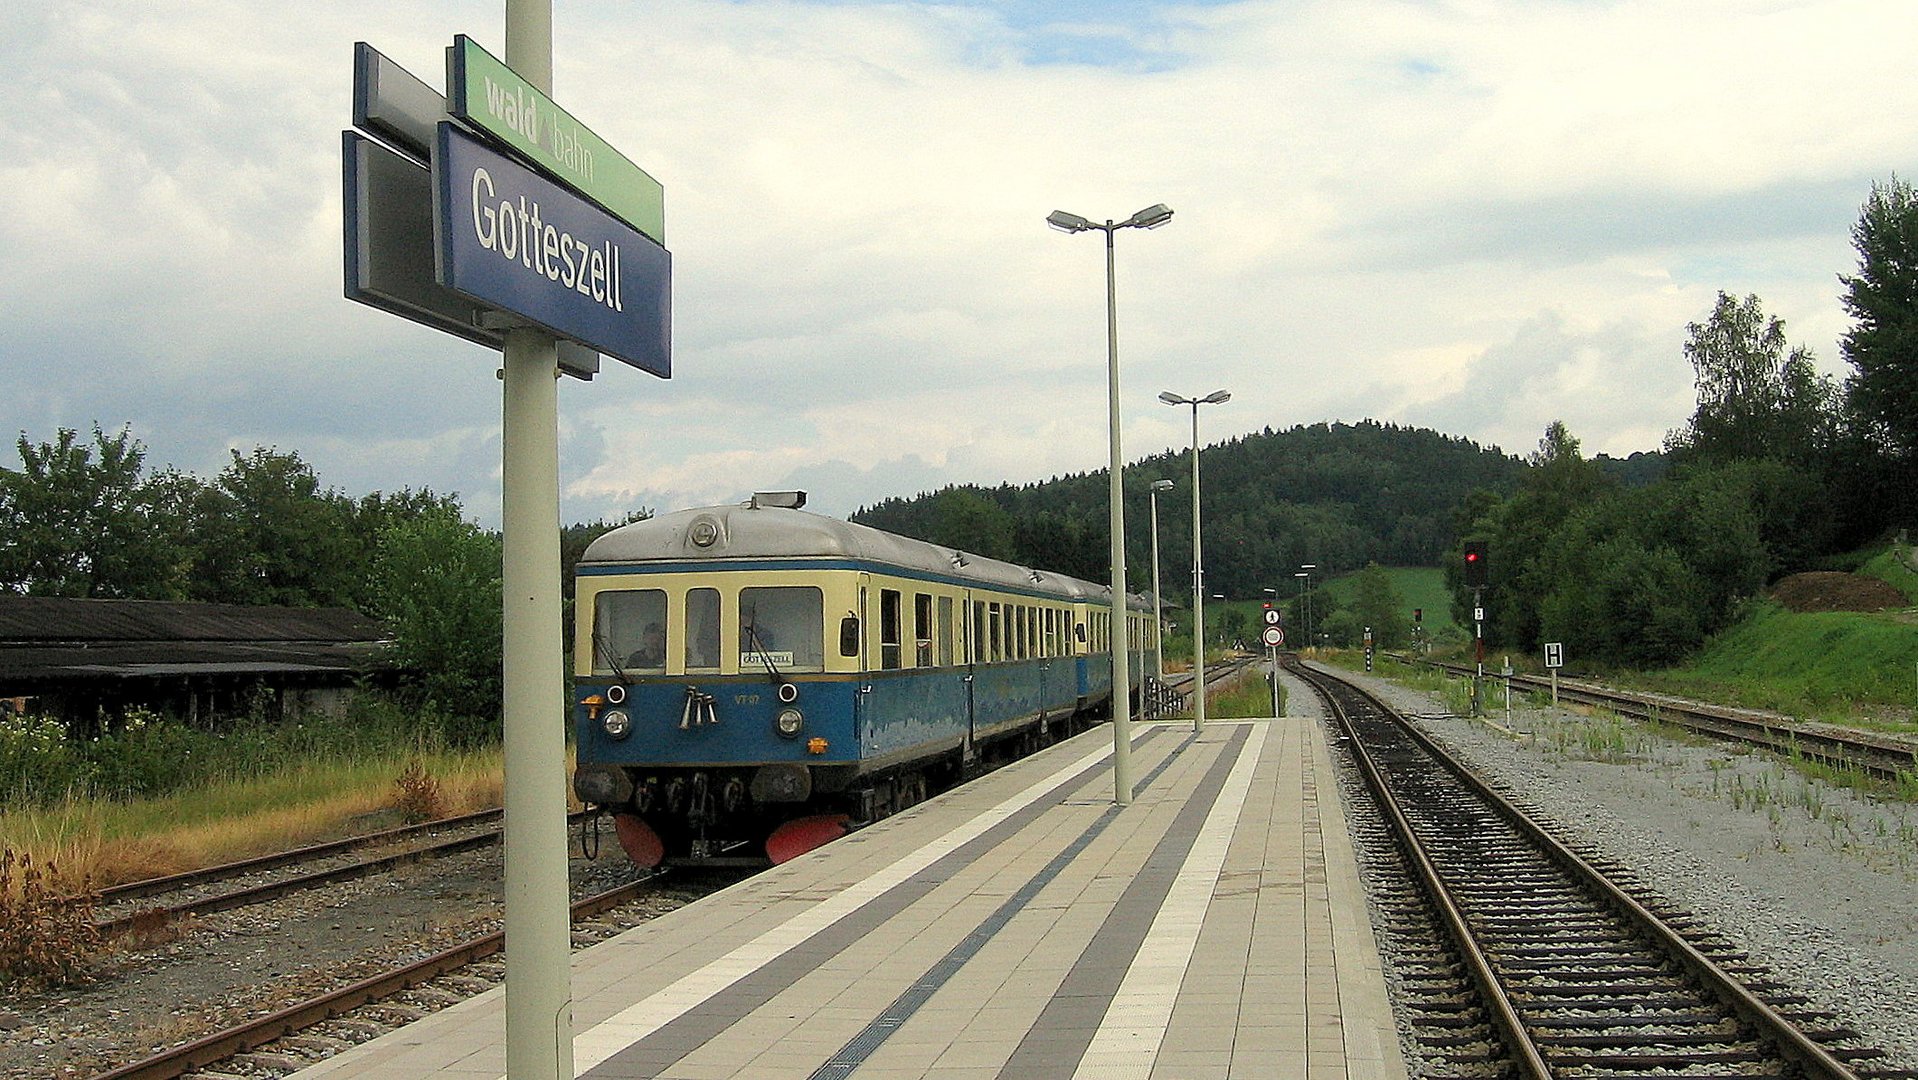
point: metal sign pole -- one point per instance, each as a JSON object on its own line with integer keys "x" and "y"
{"x": 539, "y": 1006}
{"x": 1274, "y": 651}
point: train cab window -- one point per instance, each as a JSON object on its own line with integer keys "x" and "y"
{"x": 629, "y": 631}
{"x": 945, "y": 632}
{"x": 922, "y": 629}
{"x": 782, "y": 626}
{"x": 889, "y": 629}
{"x": 702, "y": 629}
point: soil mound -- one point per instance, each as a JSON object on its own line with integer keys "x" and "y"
{"x": 1827, "y": 591}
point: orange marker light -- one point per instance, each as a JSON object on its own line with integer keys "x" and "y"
{"x": 816, "y": 746}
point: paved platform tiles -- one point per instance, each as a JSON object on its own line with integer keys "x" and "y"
{"x": 1020, "y": 927}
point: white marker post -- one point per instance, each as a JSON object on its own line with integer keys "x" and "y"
{"x": 539, "y": 997}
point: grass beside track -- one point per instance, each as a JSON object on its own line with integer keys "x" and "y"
{"x": 105, "y": 842}
{"x": 1845, "y": 667}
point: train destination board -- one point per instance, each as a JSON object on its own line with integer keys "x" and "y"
{"x": 515, "y": 240}
{"x": 482, "y": 91}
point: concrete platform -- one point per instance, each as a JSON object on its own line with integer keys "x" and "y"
{"x": 1021, "y": 927}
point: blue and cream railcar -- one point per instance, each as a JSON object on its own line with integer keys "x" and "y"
{"x": 754, "y": 678}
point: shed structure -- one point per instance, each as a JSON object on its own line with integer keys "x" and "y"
{"x": 88, "y": 661}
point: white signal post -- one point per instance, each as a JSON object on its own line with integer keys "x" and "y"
{"x": 539, "y": 997}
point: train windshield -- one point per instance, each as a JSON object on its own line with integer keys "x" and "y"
{"x": 782, "y": 626}
{"x": 629, "y": 630}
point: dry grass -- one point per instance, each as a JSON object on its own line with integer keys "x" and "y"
{"x": 108, "y": 842}
{"x": 47, "y": 936}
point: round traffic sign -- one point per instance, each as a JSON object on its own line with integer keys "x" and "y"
{"x": 1271, "y": 616}
{"x": 1274, "y": 636}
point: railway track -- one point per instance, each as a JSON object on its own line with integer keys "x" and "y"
{"x": 438, "y": 976}
{"x": 473, "y": 831}
{"x": 1539, "y": 963}
{"x": 1881, "y": 755}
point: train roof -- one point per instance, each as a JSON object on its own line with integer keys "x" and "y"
{"x": 750, "y": 530}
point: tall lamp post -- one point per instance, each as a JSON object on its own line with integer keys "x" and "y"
{"x": 1158, "y": 611}
{"x": 1150, "y": 218}
{"x": 1216, "y": 397}
{"x": 1305, "y": 577}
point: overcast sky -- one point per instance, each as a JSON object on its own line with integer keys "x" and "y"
{"x": 1478, "y": 216}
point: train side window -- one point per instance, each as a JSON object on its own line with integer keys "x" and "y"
{"x": 783, "y": 626}
{"x": 994, "y": 634}
{"x": 922, "y": 629}
{"x": 1018, "y": 649}
{"x": 977, "y": 645}
{"x": 629, "y": 631}
{"x": 889, "y": 629}
{"x": 945, "y": 632}
{"x": 702, "y": 629}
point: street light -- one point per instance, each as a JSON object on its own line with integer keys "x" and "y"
{"x": 1305, "y": 572}
{"x": 1150, "y": 218}
{"x": 1158, "y": 616}
{"x": 1216, "y": 397}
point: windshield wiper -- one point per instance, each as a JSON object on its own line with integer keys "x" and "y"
{"x": 765, "y": 657}
{"x": 606, "y": 652}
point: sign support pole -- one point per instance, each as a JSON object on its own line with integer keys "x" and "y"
{"x": 539, "y": 1007}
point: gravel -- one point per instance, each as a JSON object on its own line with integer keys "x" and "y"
{"x": 231, "y": 966}
{"x": 1813, "y": 880}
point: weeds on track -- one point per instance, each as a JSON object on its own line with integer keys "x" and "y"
{"x": 47, "y": 936}
{"x": 419, "y": 797}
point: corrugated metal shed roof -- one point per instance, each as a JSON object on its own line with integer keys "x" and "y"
{"x": 44, "y": 619}
{"x": 50, "y": 640}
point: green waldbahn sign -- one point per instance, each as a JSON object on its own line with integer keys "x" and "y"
{"x": 484, "y": 92}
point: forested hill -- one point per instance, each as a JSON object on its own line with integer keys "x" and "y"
{"x": 1335, "y": 495}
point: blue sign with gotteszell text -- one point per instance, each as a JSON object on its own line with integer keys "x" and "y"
{"x": 513, "y": 240}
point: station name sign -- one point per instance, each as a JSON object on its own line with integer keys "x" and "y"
{"x": 484, "y": 92}
{"x": 495, "y": 209}
{"x": 514, "y": 240}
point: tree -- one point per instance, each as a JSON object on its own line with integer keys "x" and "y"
{"x": 80, "y": 520}
{"x": 1755, "y": 400}
{"x": 1378, "y": 605}
{"x": 268, "y": 533}
{"x": 436, "y": 583}
{"x": 967, "y": 520}
{"x": 1882, "y": 345}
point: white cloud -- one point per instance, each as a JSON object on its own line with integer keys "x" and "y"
{"x": 1479, "y": 214}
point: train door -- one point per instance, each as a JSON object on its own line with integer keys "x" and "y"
{"x": 859, "y": 698}
{"x": 971, "y": 614}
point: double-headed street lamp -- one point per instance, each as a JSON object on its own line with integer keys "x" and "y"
{"x": 1216, "y": 397}
{"x": 1158, "y": 611}
{"x": 1150, "y": 218}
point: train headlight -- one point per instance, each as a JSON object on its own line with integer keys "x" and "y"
{"x": 616, "y": 724}
{"x": 788, "y": 723}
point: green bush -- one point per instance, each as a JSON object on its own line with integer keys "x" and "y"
{"x": 149, "y": 755}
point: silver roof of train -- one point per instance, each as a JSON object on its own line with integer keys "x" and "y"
{"x": 748, "y": 531}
